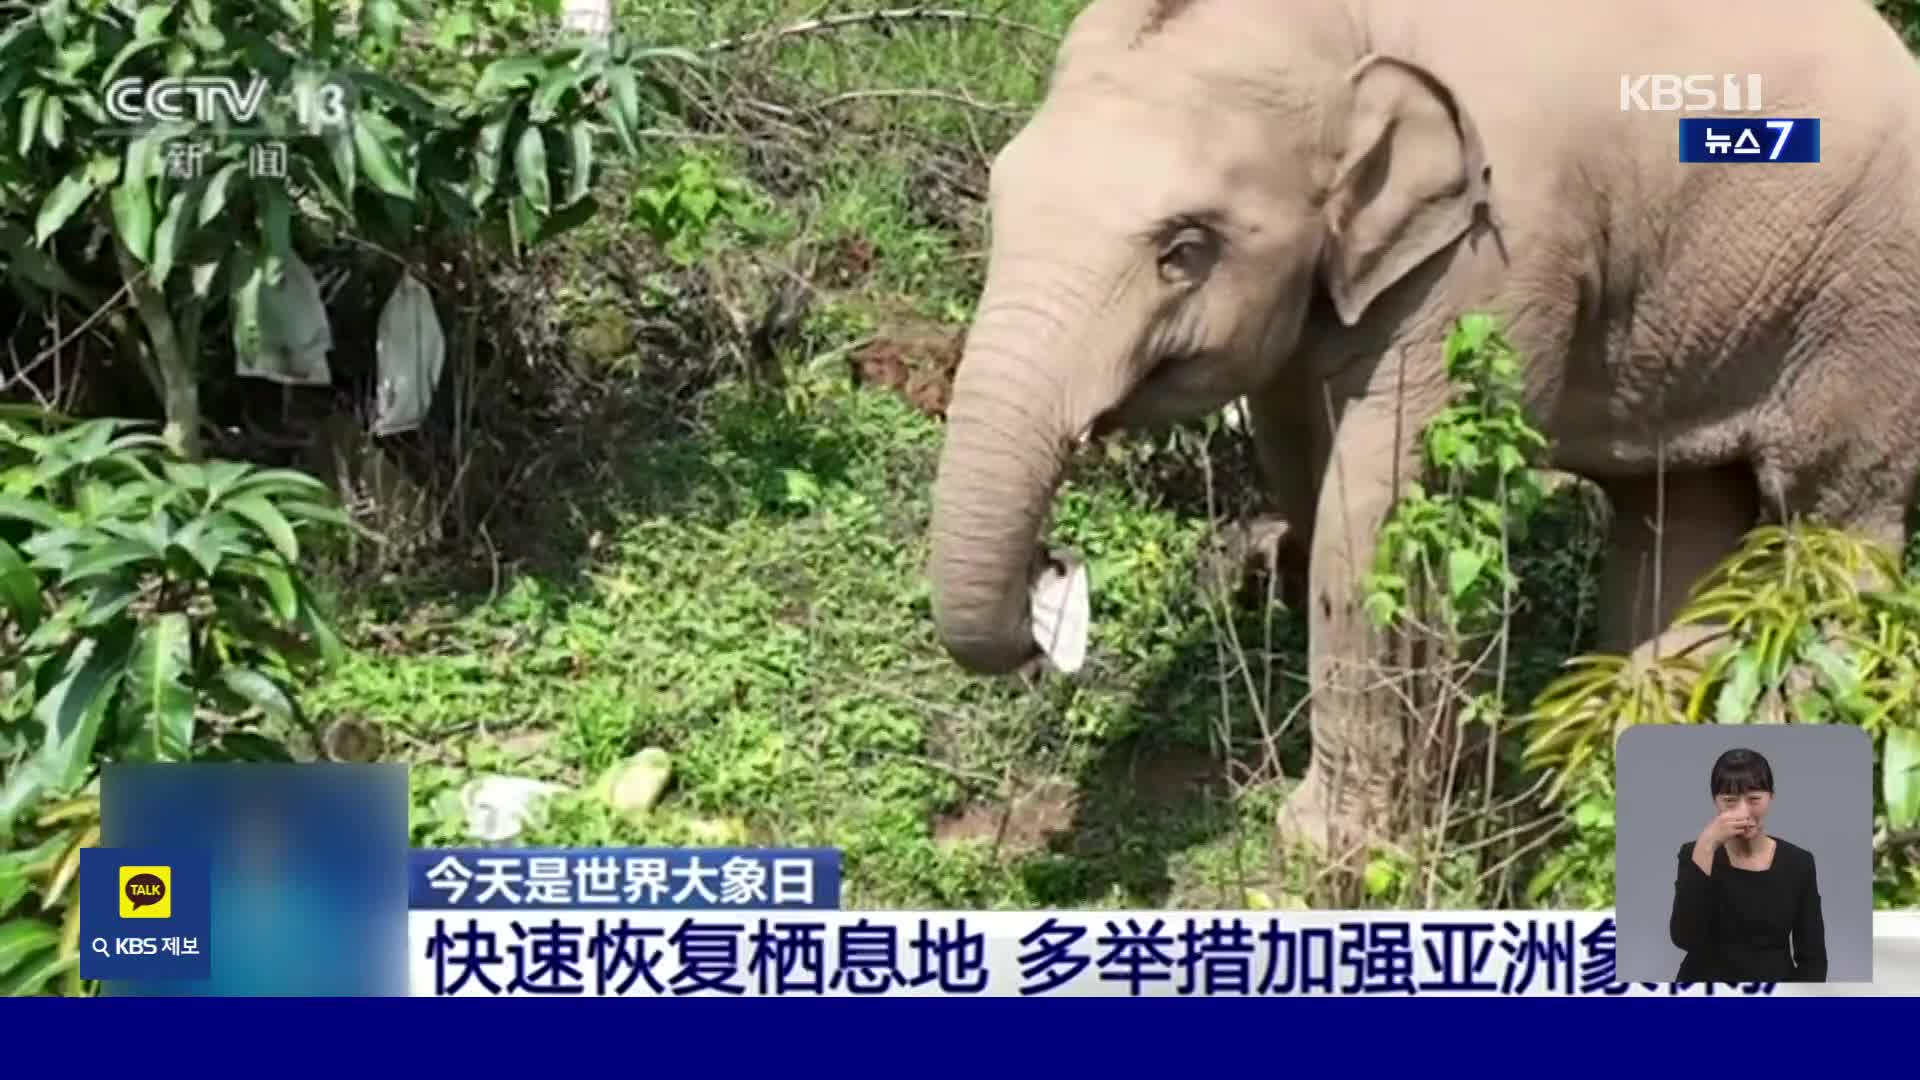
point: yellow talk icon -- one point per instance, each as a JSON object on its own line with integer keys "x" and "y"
{"x": 146, "y": 892}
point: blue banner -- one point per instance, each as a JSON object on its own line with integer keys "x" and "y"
{"x": 1777, "y": 140}
{"x": 623, "y": 879}
{"x": 302, "y": 874}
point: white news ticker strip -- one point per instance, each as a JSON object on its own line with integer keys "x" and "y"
{"x": 1896, "y": 947}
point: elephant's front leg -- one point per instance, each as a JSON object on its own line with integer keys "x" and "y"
{"x": 1358, "y": 718}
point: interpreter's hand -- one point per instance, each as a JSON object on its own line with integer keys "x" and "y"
{"x": 1727, "y": 825}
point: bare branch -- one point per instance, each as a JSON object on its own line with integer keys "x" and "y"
{"x": 828, "y": 23}
{"x": 53, "y": 350}
{"x": 933, "y": 95}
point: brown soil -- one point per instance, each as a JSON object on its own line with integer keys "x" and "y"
{"x": 915, "y": 360}
{"x": 1052, "y": 808}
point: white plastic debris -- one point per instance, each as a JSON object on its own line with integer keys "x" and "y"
{"x": 1235, "y": 414}
{"x": 593, "y": 18}
{"x": 295, "y": 336}
{"x": 410, "y": 350}
{"x": 1060, "y": 614}
{"x": 497, "y": 807}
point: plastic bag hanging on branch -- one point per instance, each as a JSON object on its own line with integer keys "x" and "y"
{"x": 411, "y": 350}
{"x": 295, "y": 336}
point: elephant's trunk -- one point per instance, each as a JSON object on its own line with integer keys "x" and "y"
{"x": 1011, "y": 426}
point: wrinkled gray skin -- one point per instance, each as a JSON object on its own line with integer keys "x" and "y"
{"x": 1292, "y": 200}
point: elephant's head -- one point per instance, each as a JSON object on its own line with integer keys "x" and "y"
{"x": 1159, "y": 229}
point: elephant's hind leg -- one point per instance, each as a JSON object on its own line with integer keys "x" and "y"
{"x": 1666, "y": 535}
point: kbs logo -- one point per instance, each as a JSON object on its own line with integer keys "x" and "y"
{"x": 1690, "y": 93}
{"x": 146, "y": 892}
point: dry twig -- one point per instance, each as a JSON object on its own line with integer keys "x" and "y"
{"x": 885, "y": 17}
{"x": 934, "y": 95}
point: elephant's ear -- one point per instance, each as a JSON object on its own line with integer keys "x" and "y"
{"x": 1411, "y": 176}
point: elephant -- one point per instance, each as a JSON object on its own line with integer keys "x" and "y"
{"x": 1293, "y": 201}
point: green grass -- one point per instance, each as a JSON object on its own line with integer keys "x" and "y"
{"x": 759, "y": 610}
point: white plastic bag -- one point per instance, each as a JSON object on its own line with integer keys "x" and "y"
{"x": 593, "y": 18}
{"x": 295, "y": 336}
{"x": 410, "y": 350}
{"x": 1059, "y": 608}
{"x": 497, "y": 807}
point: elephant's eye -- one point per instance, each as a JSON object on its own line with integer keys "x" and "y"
{"x": 1188, "y": 256}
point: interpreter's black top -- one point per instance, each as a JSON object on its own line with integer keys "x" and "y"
{"x": 1749, "y": 925}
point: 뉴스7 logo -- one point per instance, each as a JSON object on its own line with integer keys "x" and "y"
{"x": 206, "y": 98}
{"x": 1690, "y": 93}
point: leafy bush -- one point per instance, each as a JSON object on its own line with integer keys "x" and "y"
{"x": 508, "y": 155}
{"x": 153, "y": 612}
{"x": 1444, "y": 553}
{"x": 1444, "y": 583}
{"x": 1804, "y": 624}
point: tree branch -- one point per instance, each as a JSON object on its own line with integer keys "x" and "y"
{"x": 889, "y": 16}
{"x": 933, "y": 95}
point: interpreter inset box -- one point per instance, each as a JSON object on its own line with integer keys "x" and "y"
{"x": 1744, "y": 853}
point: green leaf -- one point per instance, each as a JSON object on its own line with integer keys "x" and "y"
{"x": 18, "y": 868}
{"x": 270, "y": 521}
{"x": 259, "y": 690}
{"x": 629, "y": 141}
{"x": 503, "y": 75}
{"x": 571, "y": 216}
{"x": 523, "y": 222}
{"x": 30, "y": 105}
{"x": 27, "y": 262}
{"x": 1739, "y": 693}
{"x": 72, "y": 711}
{"x": 489, "y": 150}
{"x": 1381, "y": 877}
{"x": 170, "y": 236}
{"x": 340, "y": 149}
{"x": 375, "y": 85}
{"x": 21, "y": 938}
{"x": 199, "y": 545}
{"x": 106, "y": 559}
{"x": 53, "y": 122}
{"x": 1900, "y": 777}
{"x": 31, "y": 978}
{"x": 279, "y": 583}
{"x": 214, "y": 199}
{"x": 19, "y": 589}
{"x": 127, "y": 52}
{"x": 326, "y": 515}
{"x": 317, "y": 627}
{"x": 150, "y": 24}
{"x": 1463, "y": 569}
{"x": 624, "y": 97}
{"x": 373, "y": 140}
{"x": 133, "y": 208}
{"x": 276, "y": 482}
{"x": 31, "y": 510}
{"x": 107, "y": 602}
{"x": 581, "y": 161}
{"x": 161, "y": 703}
{"x": 530, "y": 166}
{"x": 66, "y": 198}
{"x": 546, "y": 99}
{"x": 383, "y": 18}
{"x": 1548, "y": 876}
